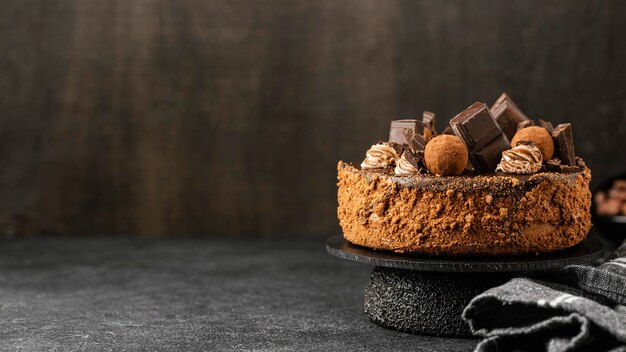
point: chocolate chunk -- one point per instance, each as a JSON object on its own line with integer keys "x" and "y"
{"x": 417, "y": 143}
{"x": 408, "y": 132}
{"x": 507, "y": 115}
{"x": 525, "y": 124}
{"x": 415, "y": 158}
{"x": 488, "y": 156}
{"x": 448, "y": 130}
{"x": 482, "y": 135}
{"x": 553, "y": 164}
{"x": 547, "y": 125}
{"x": 399, "y": 148}
{"x": 428, "y": 119}
{"x": 564, "y": 143}
{"x": 476, "y": 126}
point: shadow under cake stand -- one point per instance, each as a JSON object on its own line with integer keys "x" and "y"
{"x": 427, "y": 294}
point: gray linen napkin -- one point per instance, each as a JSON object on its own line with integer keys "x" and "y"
{"x": 576, "y": 308}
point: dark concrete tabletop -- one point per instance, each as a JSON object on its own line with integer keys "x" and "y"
{"x": 117, "y": 294}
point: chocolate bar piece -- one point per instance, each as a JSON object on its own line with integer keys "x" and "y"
{"x": 417, "y": 143}
{"x": 525, "y": 124}
{"x": 564, "y": 143}
{"x": 547, "y": 125}
{"x": 553, "y": 164}
{"x": 408, "y": 132}
{"x": 399, "y": 148}
{"x": 415, "y": 158}
{"x": 448, "y": 130}
{"x": 482, "y": 135}
{"x": 507, "y": 115}
{"x": 428, "y": 119}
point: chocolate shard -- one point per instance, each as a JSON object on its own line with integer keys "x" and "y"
{"x": 547, "y": 125}
{"x": 417, "y": 143}
{"x": 407, "y": 132}
{"x": 415, "y": 158}
{"x": 525, "y": 124}
{"x": 507, "y": 115}
{"x": 553, "y": 164}
{"x": 448, "y": 130}
{"x": 482, "y": 135}
{"x": 564, "y": 143}
{"x": 428, "y": 119}
{"x": 399, "y": 148}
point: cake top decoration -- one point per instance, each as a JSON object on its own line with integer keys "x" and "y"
{"x": 562, "y": 135}
{"x": 507, "y": 115}
{"x": 477, "y": 140}
{"x": 446, "y": 155}
{"x": 404, "y": 167}
{"x": 379, "y": 156}
{"x": 428, "y": 119}
{"x": 525, "y": 158}
{"x": 408, "y": 132}
{"x": 539, "y": 136}
{"x": 482, "y": 135}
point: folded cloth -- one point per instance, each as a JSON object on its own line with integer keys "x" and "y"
{"x": 576, "y": 308}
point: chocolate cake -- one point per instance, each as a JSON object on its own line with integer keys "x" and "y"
{"x": 470, "y": 193}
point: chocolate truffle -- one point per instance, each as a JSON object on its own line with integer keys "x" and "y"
{"x": 446, "y": 155}
{"x": 540, "y": 137}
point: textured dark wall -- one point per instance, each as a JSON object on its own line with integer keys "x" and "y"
{"x": 228, "y": 117}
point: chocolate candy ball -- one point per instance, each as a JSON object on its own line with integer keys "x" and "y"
{"x": 446, "y": 155}
{"x": 540, "y": 137}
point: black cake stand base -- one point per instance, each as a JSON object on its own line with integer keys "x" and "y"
{"x": 425, "y": 302}
{"x": 427, "y": 295}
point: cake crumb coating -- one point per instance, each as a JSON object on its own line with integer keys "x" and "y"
{"x": 492, "y": 214}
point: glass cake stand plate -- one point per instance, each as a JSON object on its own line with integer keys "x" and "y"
{"x": 589, "y": 250}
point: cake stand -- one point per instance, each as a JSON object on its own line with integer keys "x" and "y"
{"x": 426, "y": 294}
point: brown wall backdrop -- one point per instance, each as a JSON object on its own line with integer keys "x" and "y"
{"x": 228, "y": 117}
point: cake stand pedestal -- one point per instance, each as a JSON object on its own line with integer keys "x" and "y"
{"x": 426, "y": 294}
